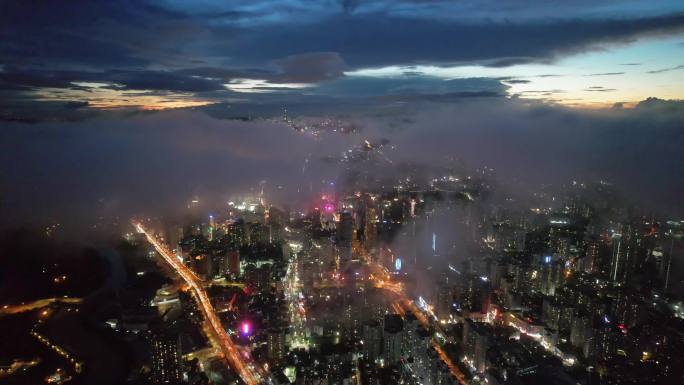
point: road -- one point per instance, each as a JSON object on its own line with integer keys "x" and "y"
{"x": 235, "y": 357}
{"x": 295, "y": 302}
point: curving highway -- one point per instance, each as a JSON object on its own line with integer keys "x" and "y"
{"x": 235, "y": 357}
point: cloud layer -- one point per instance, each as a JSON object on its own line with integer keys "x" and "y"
{"x": 192, "y": 52}
{"x": 153, "y": 163}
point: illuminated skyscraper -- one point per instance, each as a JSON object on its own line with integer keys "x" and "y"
{"x": 166, "y": 358}
{"x": 212, "y": 228}
{"x": 276, "y": 345}
{"x": 618, "y": 261}
{"x": 371, "y": 226}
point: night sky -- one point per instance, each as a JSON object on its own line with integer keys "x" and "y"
{"x": 543, "y": 91}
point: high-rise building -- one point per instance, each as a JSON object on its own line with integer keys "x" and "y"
{"x": 605, "y": 338}
{"x": 276, "y": 345}
{"x": 233, "y": 262}
{"x": 203, "y": 265}
{"x": 371, "y": 226}
{"x": 672, "y": 250}
{"x": 235, "y": 232}
{"x": 550, "y": 274}
{"x": 581, "y": 333}
{"x": 212, "y": 228}
{"x": 258, "y": 234}
{"x": 590, "y": 262}
{"x": 166, "y": 358}
{"x": 628, "y": 250}
{"x": 476, "y": 342}
{"x": 345, "y": 233}
{"x": 258, "y": 278}
{"x": 420, "y": 350}
{"x": 443, "y": 302}
{"x": 372, "y": 340}
{"x": 393, "y": 339}
{"x": 219, "y": 261}
{"x": 411, "y": 326}
{"x": 618, "y": 259}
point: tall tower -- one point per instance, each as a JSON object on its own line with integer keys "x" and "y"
{"x": 673, "y": 247}
{"x": 345, "y": 233}
{"x": 617, "y": 260}
{"x": 212, "y": 227}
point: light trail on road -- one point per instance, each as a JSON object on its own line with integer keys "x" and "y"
{"x": 230, "y": 351}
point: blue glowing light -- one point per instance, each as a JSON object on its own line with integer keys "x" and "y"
{"x": 434, "y": 242}
{"x": 397, "y": 264}
{"x": 422, "y": 303}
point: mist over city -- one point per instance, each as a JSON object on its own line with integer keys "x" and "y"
{"x": 342, "y": 192}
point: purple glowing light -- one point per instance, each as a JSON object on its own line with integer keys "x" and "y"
{"x": 246, "y": 328}
{"x": 329, "y": 207}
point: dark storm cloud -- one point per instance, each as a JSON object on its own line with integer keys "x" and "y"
{"x": 306, "y": 68}
{"x": 512, "y": 61}
{"x": 350, "y": 5}
{"x": 76, "y": 104}
{"x": 521, "y": 9}
{"x": 15, "y": 79}
{"x": 373, "y": 40}
{"x": 271, "y": 11}
{"x": 414, "y": 85}
{"x": 195, "y": 48}
{"x": 161, "y": 80}
{"x": 227, "y": 74}
{"x": 82, "y": 33}
{"x": 134, "y": 34}
{"x": 310, "y": 67}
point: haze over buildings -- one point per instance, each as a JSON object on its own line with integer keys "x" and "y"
{"x": 342, "y": 192}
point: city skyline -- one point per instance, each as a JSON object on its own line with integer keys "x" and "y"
{"x": 342, "y": 192}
